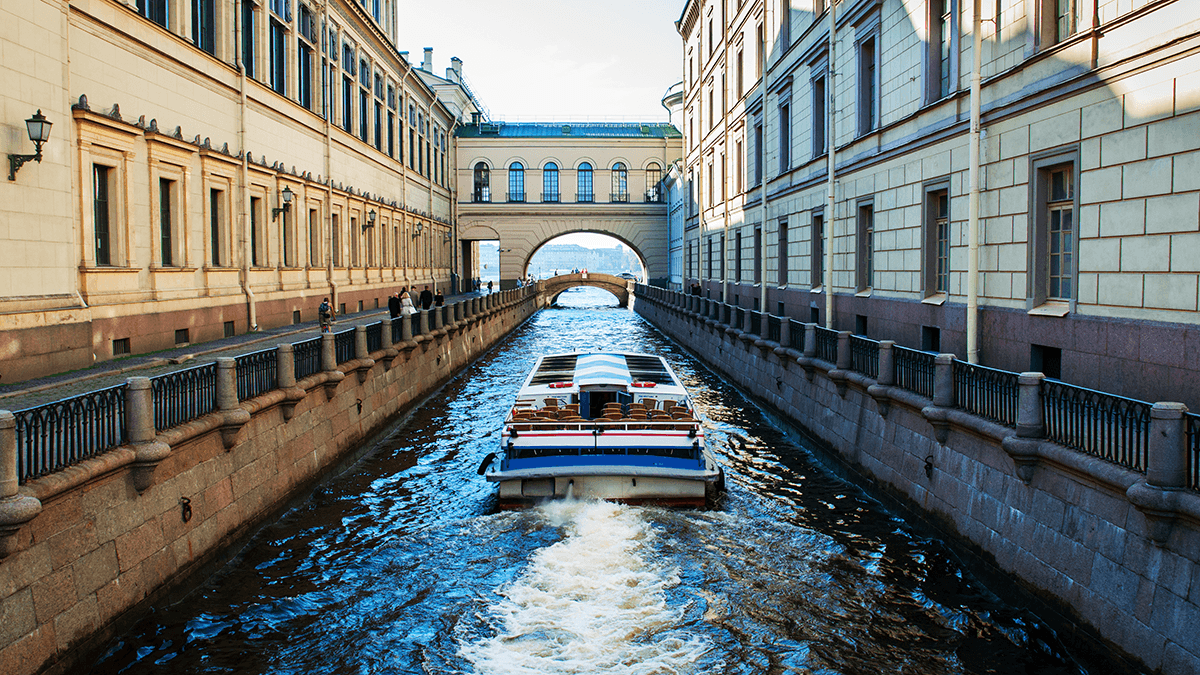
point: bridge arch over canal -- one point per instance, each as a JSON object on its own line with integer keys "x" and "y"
{"x": 554, "y": 286}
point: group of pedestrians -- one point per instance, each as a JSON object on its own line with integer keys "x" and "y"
{"x": 399, "y": 304}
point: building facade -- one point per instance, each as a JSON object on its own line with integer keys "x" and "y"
{"x": 215, "y": 166}
{"x": 1088, "y": 225}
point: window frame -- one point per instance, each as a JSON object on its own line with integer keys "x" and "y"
{"x": 781, "y": 252}
{"x": 1038, "y": 263}
{"x": 931, "y": 241}
{"x": 868, "y": 113}
{"x": 584, "y": 173}
{"x": 864, "y": 249}
{"x": 935, "y": 71}
{"x": 816, "y": 251}
{"x": 481, "y": 188}
{"x": 516, "y": 182}
{"x": 550, "y": 183}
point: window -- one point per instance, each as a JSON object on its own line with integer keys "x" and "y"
{"x": 378, "y": 125}
{"x": 758, "y": 153}
{"x": 758, "y": 255}
{"x": 102, "y": 212}
{"x": 335, "y": 235}
{"x": 1060, "y": 19}
{"x": 120, "y": 347}
{"x": 620, "y": 182}
{"x": 550, "y": 182}
{"x": 739, "y": 168}
{"x": 868, "y": 89}
{"x": 931, "y": 339}
{"x": 818, "y": 115}
{"x": 348, "y": 104}
{"x": 818, "y": 249}
{"x": 314, "y": 238}
{"x": 782, "y": 277}
{"x": 156, "y": 11}
{"x": 248, "y": 32}
{"x": 364, "y": 103}
{"x": 710, "y": 195}
{"x": 937, "y": 241}
{"x": 354, "y": 236}
{"x": 712, "y": 44}
{"x": 166, "y": 223}
{"x": 1061, "y": 231}
{"x": 584, "y": 180}
{"x": 278, "y": 66}
{"x": 653, "y": 176}
{"x": 391, "y": 134}
{"x": 739, "y": 74}
{"x": 941, "y": 66}
{"x": 204, "y": 25}
{"x": 216, "y": 221}
{"x": 785, "y": 136}
{"x": 1046, "y": 360}
{"x": 785, "y": 24}
{"x": 482, "y": 191}
{"x": 866, "y": 246}
{"x": 257, "y": 253}
{"x": 737, "y": 258}
{"x": 181, "y": 336}
{"x": 762, "y": 49}
{"x": 710, "y": 258}
{"x": 724, "y": 258}
{"x": 516, "y": 182}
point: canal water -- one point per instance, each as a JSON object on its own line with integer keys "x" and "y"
{"x": 402, "y": 564}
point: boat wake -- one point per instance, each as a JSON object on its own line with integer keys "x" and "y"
{"x": 591, "y": 603}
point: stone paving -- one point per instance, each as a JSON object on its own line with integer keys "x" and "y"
{"x": 42, "y": 390}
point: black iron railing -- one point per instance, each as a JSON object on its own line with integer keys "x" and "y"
{"x": 618, "y": 197}
{"x": 307, "y": 357}
{"x": 184, "y": 395}
{"x": 516, "y": 196}
{"x": 914, "y": 370}
{"x": 550, "y": 197}
{"x": 398, "y": 329}
{"x": 1192, "y": 429}
{"x": 864, "y": 356}
{"x": 1110, "y": 427}
{"x": 257, "y": 373}
{"x": 414, "y": 323}
{"x": 796, "y": 335}
{"x": 739, "y": 318}
{"x": 56, "y": 435}
{"x": 986, "y": 392}
{"x": 726, "y": 314}
{"x": 827, "y": 344}
{"x": 755, "y": 323}
{"x": 343, "y": 345}
{"x": 374, "y": 337}
{"x": 774, "y": 331}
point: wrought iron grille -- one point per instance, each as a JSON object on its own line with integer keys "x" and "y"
{"x": 374, "y": 337}
{"x": 1193, "y": 450}
{"x": 343, "y": 345}
{"x": 184, "y": 395}
{"x": 864, "y": 356}
{"x": 307, "y": 356}
{"x": 398, "y": 329}
{"x": 774, "y": 332}
{"x": 827, "y": 343}
{"x": 257, "y": 373}
{"x": 756, "y": 323}
{"x": 796, "y": 335}
{"x": 726, "y": 314}
{"x": 914, "y": 370}
{"x": 986, "y": 392}
{"x": 1110, "y": 427}
{"x": 57, "y": 435}
{"x": 415, "y": 323}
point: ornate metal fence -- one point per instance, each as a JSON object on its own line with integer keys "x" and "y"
{"x": 774, "y": 328}
{"x": 307, "y": 356}
{"x": 257, "y": 373}
{"x": 914, "y": 370}
{"x": 57, "y": 435}
{"x": 398, "y": 329}
{"x": 827, "y": 342}
{"x": 1110, "y": 427}
{"x": 415, "y": 323}
{"x": 726, "y": 314}
{"x": 755, "y": 323}
{"x": 1193, "y": 450}
{"x": 739, "y": 317}
{"x": 864, "y": 356}
{"x": 374, "y": 337}
{"x": 986, "y": 392}
{"x": 343, "y": 345}
{"x": 796, "y": 335}
{"x": 184, "y": 395}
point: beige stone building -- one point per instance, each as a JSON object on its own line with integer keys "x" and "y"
{"x": 1089, "y": 236}
{"x": 159, "y": 213}
{"x": 525, "y": 184}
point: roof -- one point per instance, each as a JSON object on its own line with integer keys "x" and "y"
{"x": 569, "y": 130}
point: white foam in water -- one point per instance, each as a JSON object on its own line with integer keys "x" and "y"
{"x": 592, "y": 603}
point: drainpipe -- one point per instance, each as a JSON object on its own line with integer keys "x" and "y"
{"x": 762, "y": 305}
{"x": 404, "y": 218}
{"x": 243, "y": 173}
{"x": 452, "y": 176}
{"x": 831, "y": 141}
{"x": 429, "y": 163}
{"x": 973, "y": 204}
{"x": 330, "y": 55}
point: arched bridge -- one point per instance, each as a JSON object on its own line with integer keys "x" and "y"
{"x": 554, "y": 286}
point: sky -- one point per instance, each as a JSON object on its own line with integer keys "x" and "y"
{"x": 531, "y": 60}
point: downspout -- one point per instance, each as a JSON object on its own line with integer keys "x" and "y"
{"x": 331, "y": 53}
{"x": 452, "y": 180}
{"x": 244, "y": 171}
{"x": 762, "y": 253}
{"x": 973, "y": 203}
{"x": 405, "y": 223}
{"x": 429, "y": 163}
{"x": 831, "y": 170}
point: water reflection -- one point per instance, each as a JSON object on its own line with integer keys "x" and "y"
{"x": 401, "y": 565}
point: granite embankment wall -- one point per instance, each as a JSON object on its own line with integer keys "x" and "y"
{"x": 1112, "y": 548}
{"x": 120, "y": 530}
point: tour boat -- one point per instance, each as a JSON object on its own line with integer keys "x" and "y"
{"x": 610, "y": 425}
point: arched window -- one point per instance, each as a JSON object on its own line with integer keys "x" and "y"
{"x": 550, "y": 182}
{"x": 653, "y": 176}
{"x": 620, "y": 183}
{"x": 483, "y": 192}
{"x": 585, "y": 183}
{"x": 516, "y": 182}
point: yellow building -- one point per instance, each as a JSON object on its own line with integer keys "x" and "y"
{"x": 214, "y": 167}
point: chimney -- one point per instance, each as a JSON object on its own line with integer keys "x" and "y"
{"x": 456, "y": 66}
{"x": 427, "y": 66}
{"x": 404, "y": 55}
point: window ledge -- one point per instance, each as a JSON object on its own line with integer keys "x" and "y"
{"x": 865, "y": 293}
{"x": 935, "y": 299}
{"x": 816, "y": 289}
{"x": 1052, "y": 308}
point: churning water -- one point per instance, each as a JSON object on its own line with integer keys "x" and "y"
{"x": 402, "y": 565}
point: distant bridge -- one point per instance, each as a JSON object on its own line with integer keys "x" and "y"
{"x": 554, "y": 286}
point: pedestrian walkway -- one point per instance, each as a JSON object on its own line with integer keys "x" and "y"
{"x": 42, "y": 390}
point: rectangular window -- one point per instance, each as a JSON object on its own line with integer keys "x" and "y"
{"x": 120, "y": 347}
{"x": 166, "y": 222}
{"x": 937, "y": 242}
{"x": 378, "y": 125}
{"x": 782, "y": 277}
{"x": 336, "y": 240}
{"x": 289, "y": 240}
{"x": 737, "y": 258}
{"x": 709, "y": 195}
{"x": 101, "y": 210}
{"x": 785, "y": 136}
{"x": 354, "y": 237}
{"x": 758, "y": 261}
{"x": 758, "y": 153}
{"x": 256, "y": 238}
{"x": 762, "y": 49}
{"x": 248, "y": 34}
{"x": 204, "y": 25}
{"x": 156, "y": 11}
{"x": 278, "y": 66}
{"x": 181, "y": 336}
{"x": 710, "y": 257}
{"x": 739, "y": 171}
{"x": 304, "y": 58}
{"x": 1059, "y": 20}
{"x": 391, "y": 134}
{"x": 215, "y": 219}
{"x": 722, "y": 178}
{"x": 785, "y": 24}
{"x": 942, "y": 47}
{"x": 818, "y": 249}
{"x": 868, "y": 90}
{"x": 724, "y": 257}
{"x": 1061, "y": 231}
{"x": 866, "y": 246}
{"x": 818, "y": 116}
{"x": 740, "y": 74}
{"x": 364, "y": 109}
{"x": 348, "y": 105}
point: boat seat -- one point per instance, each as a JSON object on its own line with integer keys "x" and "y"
{"x": 551, "y": 402}
{"x": 650, "y": 403}
{"x": 613, "y": 416}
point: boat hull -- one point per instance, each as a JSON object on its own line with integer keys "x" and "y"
{"x": 628, "y": 489}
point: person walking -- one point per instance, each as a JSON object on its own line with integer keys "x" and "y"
{"x": 438, "y": 299}
{"x": 394, "y": 305}
{"x": 489, "y": 285}
{"x": 426, "y": 298}
{"x": 406, "y": 304}
{"x": 325, "y": 315}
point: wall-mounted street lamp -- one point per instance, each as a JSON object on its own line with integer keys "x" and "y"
{"x": 446, "y": 238}
{"x": 38, "y": 128}
{"x": 417, "y": 229}
{"x": 370, "y": 221}
{"x": 286, "y": 198}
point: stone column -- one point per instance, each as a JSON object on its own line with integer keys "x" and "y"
{"x": 1030, "y": 418}
{"x": 9, "y": 482}
{"x": 845, "y": 359}
{"x": 139, "y": 405}
{"x": 285, "y": 365}
{"x": 227, "y": 397}
{"x": 1166, "y": 460}
{"x": 943, "y": 381}
{"x": 437, "y": 317}
{"x": 887, "y": 367}
{"x": 328, "y": 353}
{"x": 406, "y": 329}
{"x": 385, "y": 333}
{"x": 785, "y": 331}
{"x": 810, "y": 340}
{"x": 360, "y": 342}
{"x": 424, "y": 324}
{"x": 15, "y": 509}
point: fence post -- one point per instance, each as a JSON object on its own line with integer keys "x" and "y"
{"x": 845, "y": 359}
{"x": 1031, "y": 421}
{"x": 227, "y": 396}
{"x": 139, "y": 427}
{"x": 385, "y": 335}
{"x": 1166, "y": 458}
{"x": 423, "y": 325}
{"x": 15, "y": 509}
{"x": 887, "y": 367}
{"x": 810, "y": 340}
{"x": 943, "y": 381}
{"x": 360, "y": 342}
{"x": 328, "y": 353}
{"x": 785, "y": 332}
{"x": 406, "y": 328}
{"x": 437, "y": 317}
{"x": 285, "y": 374}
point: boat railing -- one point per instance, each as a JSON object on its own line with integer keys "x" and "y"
{"x": 601, "y": 426}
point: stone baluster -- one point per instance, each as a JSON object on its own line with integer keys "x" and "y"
{"x": 16, "y": 509}
{"x": 228, "y": 405}
{"x": 424, "y": 322}
{"x": 1158, "y": 495}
